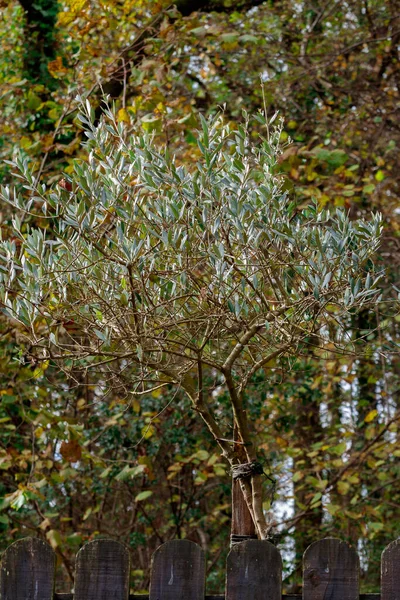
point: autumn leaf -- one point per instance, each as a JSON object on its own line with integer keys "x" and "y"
{"x": 71, "y": 451}
{"x": 56, "y": 68}
{"x": 371, "y": 416}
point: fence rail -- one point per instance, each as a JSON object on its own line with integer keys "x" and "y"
{"x": 218, "y": 597}
{"x": 178, "y": 569}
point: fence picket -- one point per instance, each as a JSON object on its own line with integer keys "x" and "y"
{"x": 27, "y": 571}
{"x": 390, "y": 569}
{"x": 178, "y": 572}
{"x": 254, "y": 572}
{"x": 102, "y": 571}
{"x": 331, "y": 570}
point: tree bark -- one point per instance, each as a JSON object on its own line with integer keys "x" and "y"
{"x": 242, "y": 521}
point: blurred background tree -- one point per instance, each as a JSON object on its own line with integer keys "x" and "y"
{"x": 332, "y": 70}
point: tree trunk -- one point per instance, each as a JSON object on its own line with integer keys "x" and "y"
{"x": 242, "y": 525}
{"x": 242, "y": 522}
{"x": 308, "y": 431}
{"x": 40, "y": 21}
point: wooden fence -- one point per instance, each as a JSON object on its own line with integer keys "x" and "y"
{"x": 254, "y": 568}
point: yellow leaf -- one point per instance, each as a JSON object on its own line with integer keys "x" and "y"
{"x": 45, "y": 524}
{"x": 123, "y": 116}
{"x": 371, "y": 416}
{"x": 343, "y": 487}
{"x": 54, "y": 538}
{"x": 25, "y": 142}
{"x": 77, "y": 5}
{"x": 37, "y": 373}
{"x": 87, "y": 514}
{"x": 281, "y": 442}
{"x": 148, "y": 431}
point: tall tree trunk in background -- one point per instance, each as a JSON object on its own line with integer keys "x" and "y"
{"x": 308, "y": 431}
{"x": 366, "y": 372}
{"x": 40, "y": 46}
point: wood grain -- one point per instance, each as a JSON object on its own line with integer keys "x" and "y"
{"x": 27, "y": 571}
{"x": 254, "y": 572}
{"x": 102, "y": 571}
{"x": 242, "y": 522}
{"x": 331, "y": 571}
{"x": 178, "y": 572}
{"x": 390, "y": 572}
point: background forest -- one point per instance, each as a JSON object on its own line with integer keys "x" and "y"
{"x": 79, "y": 459}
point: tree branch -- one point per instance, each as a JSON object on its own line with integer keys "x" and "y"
{"x": 246, "y": 337}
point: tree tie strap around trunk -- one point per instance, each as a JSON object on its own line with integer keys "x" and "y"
{"x": 246, "y": 470}
{"x": 236, "y": 538}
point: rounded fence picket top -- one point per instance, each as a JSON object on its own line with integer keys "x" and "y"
{"x": 390, "y": 568}
{"x": 331, "y": 570}
{"x": 178, "y": 572}
{"x": 102, "y": 571}
{"x": 254, "y": 568}
{"x": 254, "y": 571}
{"x": 28, "y": 571}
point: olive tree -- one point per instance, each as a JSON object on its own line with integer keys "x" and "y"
{"x": 193, "y": 275}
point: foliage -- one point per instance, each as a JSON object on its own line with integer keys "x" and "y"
{"x": 165, "y": 272}
{"x": 332, "y": 71}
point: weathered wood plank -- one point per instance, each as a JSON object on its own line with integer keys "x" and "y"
{"x": 178, "y": 572}
{"x": 27, "y": 571}
{"x": 390, "y": 571}
{"x": 331, "y": 570}
{"x": 102, "y": 571}
{"x": 254, "y": 572}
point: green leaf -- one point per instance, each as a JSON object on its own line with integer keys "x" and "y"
{"x": 368, "y": 189}
{"x": 143, "y": 496}
{"x": 333, "y": 509}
